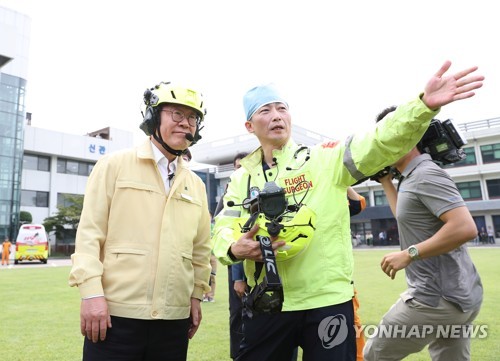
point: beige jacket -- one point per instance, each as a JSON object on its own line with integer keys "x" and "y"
{"x": 148, "y": 252}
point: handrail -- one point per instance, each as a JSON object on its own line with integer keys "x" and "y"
{"x": 479, "y": 124}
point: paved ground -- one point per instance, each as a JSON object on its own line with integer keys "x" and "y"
{"x": 52, "y": 262}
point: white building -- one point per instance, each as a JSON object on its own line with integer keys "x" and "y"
{"x": 56, "y": 164}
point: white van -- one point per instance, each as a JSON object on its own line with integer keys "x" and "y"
{"x": 32, "y": 244}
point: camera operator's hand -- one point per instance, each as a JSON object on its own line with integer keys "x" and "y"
{"x": 248, "y": 248}
{"x": 380, "y": 174}
{"x": 388, "y": 177}
{"x": 394, "y": 262}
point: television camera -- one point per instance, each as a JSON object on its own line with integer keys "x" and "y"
{"x": 443, "y": 142}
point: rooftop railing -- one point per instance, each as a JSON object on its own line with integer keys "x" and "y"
{"x": 464, "y": 127}
{"x": 480, "y": 124}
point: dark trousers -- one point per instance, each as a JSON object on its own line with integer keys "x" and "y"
{"x": 235, "y": 311}
{"x": 325, "y": 334}
{"x": 140, "y": 340}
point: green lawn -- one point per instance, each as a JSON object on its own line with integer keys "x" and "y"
{"x": 40, "y": 313}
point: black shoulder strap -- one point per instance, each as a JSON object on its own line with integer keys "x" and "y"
{"x": 272, "y": 276}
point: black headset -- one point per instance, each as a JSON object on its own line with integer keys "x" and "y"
{"x": 150, "y": 115}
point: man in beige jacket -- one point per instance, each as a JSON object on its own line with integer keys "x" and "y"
{"x": 142, "y": 253}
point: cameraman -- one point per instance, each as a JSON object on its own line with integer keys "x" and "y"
{"x": 317, "y": 286}
{"x": 443, "y": 284}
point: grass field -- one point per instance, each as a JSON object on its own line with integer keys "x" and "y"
{"x": 40, "y": 313}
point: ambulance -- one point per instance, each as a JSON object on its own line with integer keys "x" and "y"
{"x": 32, "y": 244}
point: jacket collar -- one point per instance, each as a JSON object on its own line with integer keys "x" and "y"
{"x": 254, "y": 159}
{"x": 145, "y": 150}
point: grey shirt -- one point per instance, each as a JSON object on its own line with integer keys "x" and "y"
{"x": 425, "y": 193}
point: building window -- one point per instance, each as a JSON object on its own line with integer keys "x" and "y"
{"x": 470, "y": 190}
{"x": 367, "y": 197}
{"x": 493, "y": 186}
{"x": 364, "y": 230}
{"x": 85, "y": 168}
{"x": 61, "y": 166}
{"x": 65, "y": 199}
{"x": 470, "y": 159}
{"x": 30, "y": 162}
{"x": 34, "y": 198}
{"x": 67, "y": 166}
{"x": 36, "y": 162}
{"x": 380, "y": 198}
{"x": 490, "y": 153}
{"x": 496, "y": 225}
{"x": 71, "y": 167}
{"x": 44, "y": 164}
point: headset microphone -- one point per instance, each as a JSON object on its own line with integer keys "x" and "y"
{"x": 244, "y": 204}
{"x": 189, "y": 137}
{"x": 248, "y": 203}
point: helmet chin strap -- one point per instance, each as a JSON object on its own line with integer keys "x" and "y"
{"x": 159, "y": 139}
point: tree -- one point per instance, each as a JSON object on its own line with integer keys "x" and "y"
{"x": 67, "y": 217}
{"x": 25, "y": 217}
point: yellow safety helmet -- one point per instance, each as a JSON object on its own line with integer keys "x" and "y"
{"x": 165, "y": 92}
{"x": 297, "y": 232}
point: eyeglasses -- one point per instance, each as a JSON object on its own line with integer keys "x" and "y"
{"x": 178, "y": 117}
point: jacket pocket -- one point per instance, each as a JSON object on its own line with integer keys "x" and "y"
{"x": 181, "y": 282}
{"x": 137, "y": 185}
{"x": 186, "y": 212}
{"x": 125, "y": 277}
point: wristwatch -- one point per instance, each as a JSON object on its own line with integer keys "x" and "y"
{"x": 413, "y": 252}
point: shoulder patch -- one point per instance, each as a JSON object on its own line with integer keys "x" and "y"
{"x": 330, "y": 144}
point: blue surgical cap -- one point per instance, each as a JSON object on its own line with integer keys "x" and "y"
{"x": 259, "y": 96}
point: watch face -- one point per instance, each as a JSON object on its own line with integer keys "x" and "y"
{"x": 413, "y": 251}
